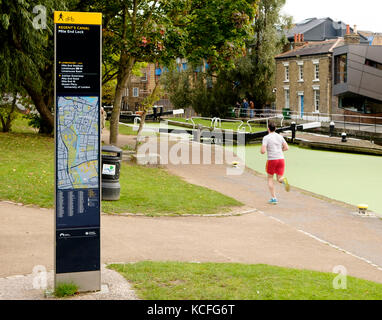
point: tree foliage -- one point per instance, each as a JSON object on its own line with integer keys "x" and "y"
{"x": 26, "y": 53}
{"x": 255, "y": 72}
{"x": 207, "y": 95}
{"x": 8, "y": 112}
{"x": 159, "y": 31}
{"x": 251, "y": 77}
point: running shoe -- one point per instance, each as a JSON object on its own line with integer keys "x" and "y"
{"x": 286, "y": 184}
{"x": 273, "y": 201}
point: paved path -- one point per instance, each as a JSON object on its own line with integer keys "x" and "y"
{"x": 302, "y": 232}
{"x": 26, "y": 238}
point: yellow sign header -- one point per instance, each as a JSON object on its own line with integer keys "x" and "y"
{"x": 67, "y": 17}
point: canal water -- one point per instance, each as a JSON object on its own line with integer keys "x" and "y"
{"x": 351, "y": 178}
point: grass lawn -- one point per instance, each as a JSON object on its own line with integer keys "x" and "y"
{"x": 20, "y": 125}
{"x": 27, "y": 168}
{"x": 126, "y": 130}
{"x": 211, "y": 281}
{"x": 27, "y": 176}
{"x": 256, "y": 127}
{"x": 154, "y": 191}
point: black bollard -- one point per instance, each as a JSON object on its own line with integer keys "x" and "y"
{"x": 344, "y": 137}
{"x": 331, "y": 129}
{"x": 294, "y": 127}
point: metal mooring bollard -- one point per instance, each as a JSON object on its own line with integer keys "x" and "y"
{"x": 197, "y": 134}
{"x": 344, "y": 137}
{"x": 362, "y": 209}
{"x": 331, "y": 129}
{"x": 294, "y": 127}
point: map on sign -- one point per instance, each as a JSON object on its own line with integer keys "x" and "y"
{"x": 77, "y": 142}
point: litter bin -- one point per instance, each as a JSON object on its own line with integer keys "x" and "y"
{"x": 286, "y": 113}
{"x": 111, "y": 165}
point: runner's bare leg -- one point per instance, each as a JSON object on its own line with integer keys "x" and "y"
{"x": 271, "y": 186}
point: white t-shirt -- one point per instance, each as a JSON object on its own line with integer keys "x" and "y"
{"x": 274, "y": 143}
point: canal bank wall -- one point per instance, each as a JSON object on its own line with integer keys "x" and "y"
{"x": 372, "y": 134}
{"x": 358, "y": 142}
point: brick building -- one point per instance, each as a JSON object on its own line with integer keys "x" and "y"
{"x": 304, "y": 78}
{"x": 141, "y": 87}
{"x": 138, "y": 89}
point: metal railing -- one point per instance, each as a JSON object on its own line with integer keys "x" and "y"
{"x": 345, "y": 121}
{"x": 242, "y": 126}
{"x": 136, "y": 119}
{"x": 216, "y": 122}
{"x": 363, "y": 123}
{"x": 277, "y": 117}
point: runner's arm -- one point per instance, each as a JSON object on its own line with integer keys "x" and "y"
{"x": 285, "y": 147}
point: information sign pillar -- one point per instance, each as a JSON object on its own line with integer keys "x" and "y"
{"x": 77, "y": 48}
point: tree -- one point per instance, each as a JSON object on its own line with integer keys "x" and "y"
{"x": 179, "y": 87}
{"x": 148, "y": 103}
{"x": 208, "y": 96}
{"x": 162, "y": 30}
{"x": 252, "y": 75}
{"x": 26, "y": 53}
{"x": 8, "y": 111}
{"x": 255, "y": 72}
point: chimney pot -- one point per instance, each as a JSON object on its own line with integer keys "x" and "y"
{"x": 347, "y": 29}
{"x": 355, "y": 29}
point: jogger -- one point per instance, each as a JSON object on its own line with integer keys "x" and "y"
{"x": 275, "y": 146}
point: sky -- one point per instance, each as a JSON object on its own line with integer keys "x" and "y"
{"x": 366, "y": 14}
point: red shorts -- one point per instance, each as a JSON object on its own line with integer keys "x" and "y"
{"x": 275, "y": 167}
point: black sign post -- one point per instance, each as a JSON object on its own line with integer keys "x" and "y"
{"x": 77, "y": 148}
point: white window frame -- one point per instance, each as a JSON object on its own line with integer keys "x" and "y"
{"x": 301, "y": 72}
{"x": 316, "y": 71}
{"x": 144, "y": 77}
{"x": 286, "y": 71}
{"x": 287, "y": 97}
{"x": 135, "y": 92}
{"x": 317, "y": 100}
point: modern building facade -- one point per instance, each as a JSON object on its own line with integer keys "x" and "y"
{"x": 357, "y": 80}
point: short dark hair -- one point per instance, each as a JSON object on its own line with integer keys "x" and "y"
{"x": 271, "y": 126}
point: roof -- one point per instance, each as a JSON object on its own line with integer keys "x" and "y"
{"x": 304, "y": 26}
{"x": 321, "y": 29}
{"x": 312, "y": 48}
